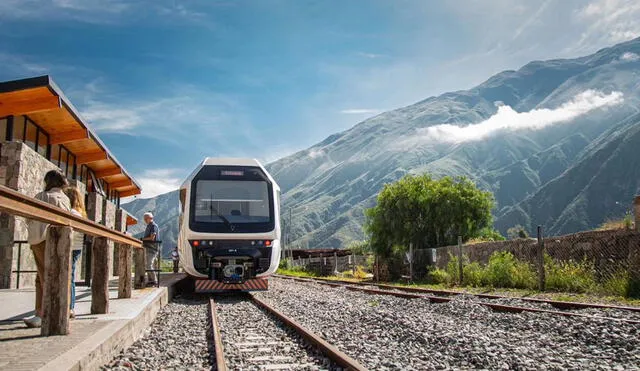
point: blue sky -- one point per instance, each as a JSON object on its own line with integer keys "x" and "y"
{"x": 167, "y": 82}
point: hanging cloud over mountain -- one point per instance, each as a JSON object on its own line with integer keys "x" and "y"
{"x": 507, "y": 119}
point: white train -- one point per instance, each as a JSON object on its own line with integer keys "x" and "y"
{"x": 229, "y": 235}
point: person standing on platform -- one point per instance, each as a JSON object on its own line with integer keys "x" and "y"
{"x": 53, "y": 194}
{"x": 151, "y": 234}
{"x": 175, "y": 256}
{"x": 76, "y": 199}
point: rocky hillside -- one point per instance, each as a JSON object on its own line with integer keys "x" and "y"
{"x": 553, "y": 140}
{"x": 542, "y": 176}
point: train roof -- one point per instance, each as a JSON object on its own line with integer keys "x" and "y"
{"x": 227, "y": 161}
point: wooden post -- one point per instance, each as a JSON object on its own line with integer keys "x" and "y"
{"x": 410, "y": 261}
{"x": 460, "y": 268}
{"x": 56, "y": 282}
{"x": 633, "y": 290}
{"x": 540, "y": 260}
{"x": 100, "y": 276}
{"x": 140, "y": 278}
{"x": 124, "y": 271}
{"x": 636, "y": 212}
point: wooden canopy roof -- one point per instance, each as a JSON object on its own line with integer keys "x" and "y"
{"x": 42, "y": 100}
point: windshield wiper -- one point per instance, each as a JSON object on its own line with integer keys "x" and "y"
{"x": 225, "y": 220}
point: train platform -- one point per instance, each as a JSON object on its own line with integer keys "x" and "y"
{"x": 94, "y": 339}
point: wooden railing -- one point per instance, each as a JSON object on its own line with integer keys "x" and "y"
{"x": 57, "y": 276}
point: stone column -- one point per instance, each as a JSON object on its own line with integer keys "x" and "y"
{"x": 119, "y": 225}
{"x": 94, "y": 212}
{"x": 109, "y": 217}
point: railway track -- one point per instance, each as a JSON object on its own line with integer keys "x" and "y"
{"x": 249, "y": 334}
{"x": 491, "y": 301}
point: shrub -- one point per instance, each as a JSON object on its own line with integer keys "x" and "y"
{"x": 504, "y": 270}
{"x": 439, "y": 276}
{"x": 569, "y": 275}
{"x": 360, "y": 273}
{"x": 473, "y": 275}
{"x": 516, "y": 232}
{"x": 453, "y": 270}
{"x": 284, "y": 264}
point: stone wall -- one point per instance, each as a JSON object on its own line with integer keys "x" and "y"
{"x": 22, "y": 169}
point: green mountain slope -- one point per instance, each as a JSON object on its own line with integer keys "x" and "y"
{"x": 567, "y": 176}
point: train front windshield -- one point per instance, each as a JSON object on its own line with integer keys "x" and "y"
{"x": 231, "y": 201}
{"x": 235, "y": 201}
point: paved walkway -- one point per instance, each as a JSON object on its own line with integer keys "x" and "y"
{"x": 22, "y": 348}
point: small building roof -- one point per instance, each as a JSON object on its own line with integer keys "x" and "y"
{"x": 43, "y": 101}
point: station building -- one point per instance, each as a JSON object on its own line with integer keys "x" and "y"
{"x": 40, "y": 130}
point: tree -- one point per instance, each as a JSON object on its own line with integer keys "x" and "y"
{"x": 359, "y": 247}
{"x": 517, "y": 231}
{"x": 427, "y": 213}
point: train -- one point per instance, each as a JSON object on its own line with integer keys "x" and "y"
{"x": 229, "y": 226}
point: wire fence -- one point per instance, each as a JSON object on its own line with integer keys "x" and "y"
{"x": 329, "y": 265}
{"x": 604, "y": 262}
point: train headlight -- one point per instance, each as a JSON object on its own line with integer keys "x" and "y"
{"x": 196, "y": 243}
{"x": 267, "y": 243}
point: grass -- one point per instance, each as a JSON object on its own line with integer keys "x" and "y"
{"x": 569, "y": 276}
{"x": 296, "y": 272}
{"x": 625, "y": 222}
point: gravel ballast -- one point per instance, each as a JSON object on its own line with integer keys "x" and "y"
{"x": 253, "y": 340}
{"x": 386, "y": 332}
{"x": 176, "y": 340}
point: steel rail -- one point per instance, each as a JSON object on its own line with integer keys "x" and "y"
{"x": 331, "y": 351}
{"x": 441, "y": 299}
{"x": 216, "y": 337}
{"x": 555, "y": 303}
{"x": 15, "y": 203}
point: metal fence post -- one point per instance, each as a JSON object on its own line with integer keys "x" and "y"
{"x": 18, "y": 262}
{"x": 540, "y": 260}
{"x": 410, "y": 261}
{"x": 460, "y": 270}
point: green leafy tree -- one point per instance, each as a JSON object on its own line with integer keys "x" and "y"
{"x": 359, "y": 247}
{"x": 427, "y": 212}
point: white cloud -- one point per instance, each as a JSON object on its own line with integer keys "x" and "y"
{"x": 609, "y": 21}
{"x": 629, "y": 57}
{"x": 507, "y": 119}
{"x": 360, "y": 111}
{"x": 158, "y": 181}
{"x": 316, "y": 153}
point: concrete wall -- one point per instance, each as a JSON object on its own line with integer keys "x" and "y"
{"x": 22, "y": 169}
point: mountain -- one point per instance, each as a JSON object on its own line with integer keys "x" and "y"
{"x": 553, "y": 141}
{"x": 531, "y": 172}
{"x": 165, "y": 209}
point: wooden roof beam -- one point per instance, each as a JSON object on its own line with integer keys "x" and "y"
{"x": 25, "y": 107}
{"x": 87, "y": 158}
{"x": 121, "y": 184}
{"x": 108, "y": 172}
{"x": 132, "y": 192}
{"x": 69, "y": 136}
